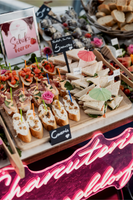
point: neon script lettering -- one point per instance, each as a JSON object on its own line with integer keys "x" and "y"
{"x": 99, "y": 164}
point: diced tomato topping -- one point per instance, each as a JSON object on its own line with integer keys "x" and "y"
{"x": 16, "y": 78}
{"x": 28, "y": 79}
{"x": 14, "y": 72}
{"x": 37, "y": 71}
{"x": 10, "y": 75}
{"x": 40, "y": 77}
{"x": 1, "y": 86}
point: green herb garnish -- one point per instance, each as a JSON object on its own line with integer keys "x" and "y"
{"x": 27, "y": 76}
{"x": 51, "y": 87}
{"x": 95, "y": 74}
{"x": 7, "y": 103}
{"x": 68, "y": 86}
{"x": 93, "y": 116}
{"x": 17, "y": 83}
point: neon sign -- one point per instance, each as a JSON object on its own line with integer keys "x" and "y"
{"x": 99, "y": 164}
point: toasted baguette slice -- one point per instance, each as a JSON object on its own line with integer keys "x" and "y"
{"x": 100, "y": 14}
{"x": 47, "y": 118}
{"x": 16, "y": 85}
{"x": 122, "y": 2}
{"x": 125, "y": 8}
{"x": 129, "y": 17}
{"x": 101, "y": 1}
{"x": 118, "y": 16}
{"x": 60, "y": 113}
{"x": 106, "y": 21}
{"x": 34, "y": 124}
{"x": 104, "y": 8}
{"x": 21, "y": 128}
{"x": 130, "y": 3}
{"x": 72, "y": 108}
{"x": 127, "y": 27}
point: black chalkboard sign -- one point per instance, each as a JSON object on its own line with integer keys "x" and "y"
{"x": 43, "y": 11}
{"x": 62, "y": 45}
{"x": 60, "y": 134}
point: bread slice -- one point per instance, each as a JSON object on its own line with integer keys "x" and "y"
{"x": 72, "y": 76}
{"x": 26, "y": 83}
{"x": 100, "y": 65}
{"x": 16, "y": 85}
{"x": 115, "y": 102}
{"x": 103, "y": 72}
{"x": 64, "y": 70}
{"x": 73, "y": 54}
{"x": 97, "y": 105}
{"x": 75, "y": 91}
{"x": 120, "y": 25}
{"x": 83, "y": 92}
{"x": 90, "y": 70}
{"x": 47, "y": 118}
{"x": 106, "y": 21}
{"x": 130, "y": 3}
{"x": 34, "y": 124}
{"x": 81, "y": 84}
{"x": 119, "y": 16}
{"x": 104, "y": 8}
{"x": 21, "y": 128}
{"x": 111, "y": 4}
{"x": 72, "y": 108}
{"x": 101, "y": 1}
{"x": 100, "y": 14}
{"x": 122, "y": 2}
{"x": 129, "y": 17}
{"x": 124, "y": 8}
{"x": 94, "y": 112}
{"x": 114, "y": 88}
{"x": 60, "y": 60}
{"x": 115, "y": 27}
{"x": 127, "y": 27}
{"x": 60, "y": 113}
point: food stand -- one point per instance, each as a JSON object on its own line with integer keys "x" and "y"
{"x": 69, "y": 178}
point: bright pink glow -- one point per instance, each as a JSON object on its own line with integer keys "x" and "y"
{"x": 99, "y": 164}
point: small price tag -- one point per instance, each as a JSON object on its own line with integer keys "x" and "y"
{"x": 43, "y": 11}
{"x": 117, "y": 72}
{"x": 110, "y": 78}
{"x": 60, "y": 134}
{"x": 114, "y": 41}
{"x": 118, "y": 52}
{"x": 77, "y": 70}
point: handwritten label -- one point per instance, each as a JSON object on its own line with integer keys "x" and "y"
{"x": 114, "y": 41}
{"x": 60, "y": 134}
{"x": 43, "y": 11}
{"x": 62, "y": 44}
{"x": 110, "y": 78}
{"x": 118, "y": 52}
{"x": 117, "y": 72}
{"x": 77, "y": 71}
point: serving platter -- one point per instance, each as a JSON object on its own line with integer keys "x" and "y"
{"x": 74, "y": 126}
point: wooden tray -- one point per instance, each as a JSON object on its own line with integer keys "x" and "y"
{"x": 84, "y": 121}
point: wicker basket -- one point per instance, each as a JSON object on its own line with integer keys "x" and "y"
{"x": 92, "y": 10}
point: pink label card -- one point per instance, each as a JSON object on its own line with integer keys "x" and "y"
{"x": 19, "y": 37}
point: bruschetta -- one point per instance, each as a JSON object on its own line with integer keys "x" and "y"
{"x": 49, "y": 68}
{"x": 60, "y": 113}
{"x": 26, "y": 76}
{"x": 8, "y": 104}
{"x": 37, "y": 71}
{"x": 21, "y": 128}
{"x": 72, "y": 108}
{"x": 12, "y": 78}
{"x": 35, "y": 124}
{"x": 23, "y": 99}
{"x": 47, "y": 118}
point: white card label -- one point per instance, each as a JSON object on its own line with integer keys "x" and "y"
{"x": 117, "y": 72}
{"x": 114, "y": 41}
{"x": 110, "y": 78}
{"x": 118, "y": 52}
{"x": 77, "y": 70}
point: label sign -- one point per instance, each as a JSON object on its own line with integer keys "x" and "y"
{"x": 77, "y": 71}
{"x": 117, "y": 72}
{"x": 43, "y": 11}
{"x": 60, "y": 134}
{"x": 118, "y": 52}
{"x": 62, "y": 44}
{"x": 19, "y": 37}
{"x": 114, "y": 41}
{"x": 110, "y": 78}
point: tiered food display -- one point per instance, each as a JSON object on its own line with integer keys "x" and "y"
{"x": 47, "y": 86}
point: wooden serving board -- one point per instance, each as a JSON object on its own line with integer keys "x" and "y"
{"x": 84, "y": 121}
